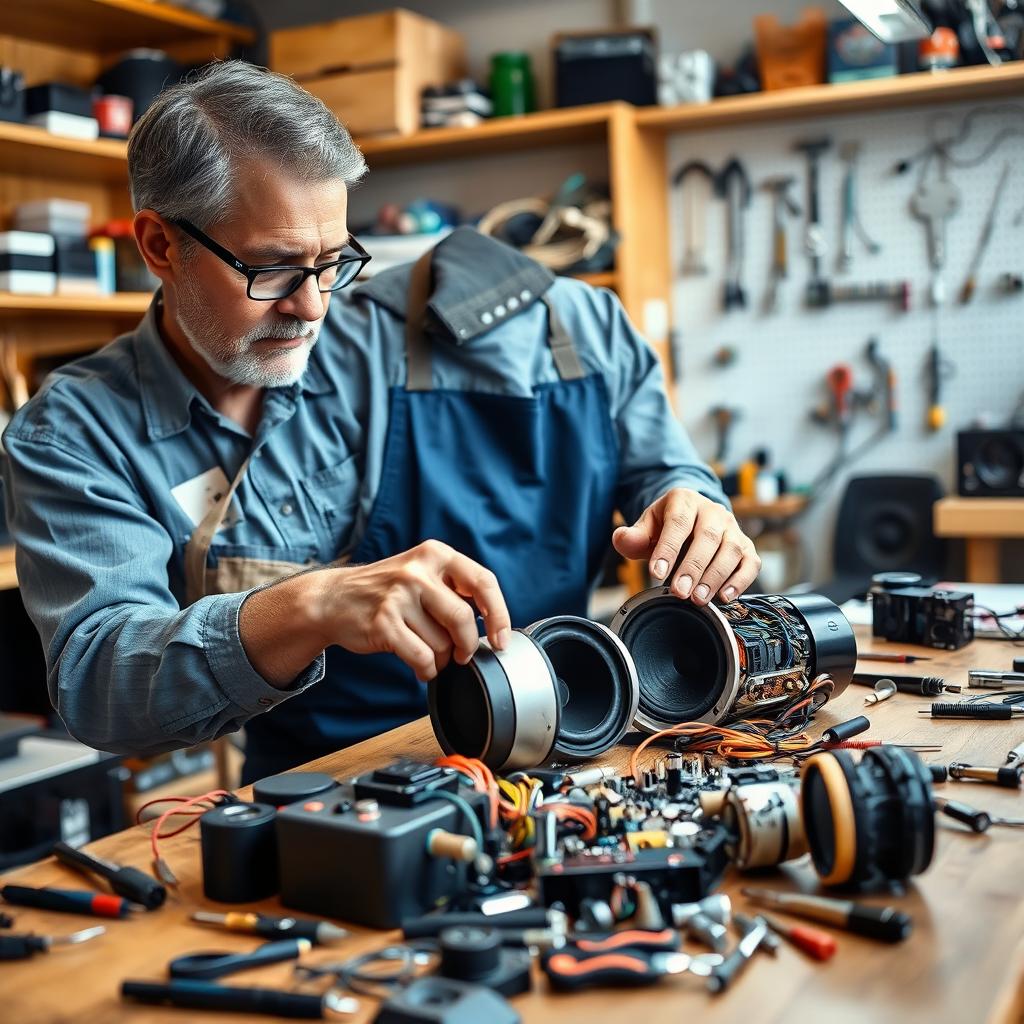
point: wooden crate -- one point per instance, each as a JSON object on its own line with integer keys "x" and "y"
{"x": 370, "y": 70}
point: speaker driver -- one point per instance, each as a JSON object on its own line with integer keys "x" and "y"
{"x": 565, "y": 688}
{"x": 718, "y": 663}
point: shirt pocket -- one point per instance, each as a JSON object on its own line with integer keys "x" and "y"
{"x": 334, "y": 494}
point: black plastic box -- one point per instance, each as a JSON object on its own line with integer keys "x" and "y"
{"x": 60, "y": 97}
{"x": 12, "y": 95}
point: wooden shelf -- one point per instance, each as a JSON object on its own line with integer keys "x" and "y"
{"x": 111, "y": 25}
{"x": 783, "y": 507}
{"x": 26, "y": 149}
{"x": 848, "y": 98}
{"x": 8, "y": 577}
{"x": 545, "y": 128}
{"x": 121, "y": 304}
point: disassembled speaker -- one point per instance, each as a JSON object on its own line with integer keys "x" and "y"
{"x": 869, "y": 823}
{"x": 717, "y": 663}
{"x": 565, "y": 689}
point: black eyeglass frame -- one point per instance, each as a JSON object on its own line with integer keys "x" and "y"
{"x": 251, "y": 271}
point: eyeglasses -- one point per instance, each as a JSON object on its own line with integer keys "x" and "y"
{"x": 269, "y": 283}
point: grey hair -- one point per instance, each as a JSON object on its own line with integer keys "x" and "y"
{"x": 184, "y": 151}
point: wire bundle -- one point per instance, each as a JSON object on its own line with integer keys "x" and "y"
{"x": 193, "y": 807}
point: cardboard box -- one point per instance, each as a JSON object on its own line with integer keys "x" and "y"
{"x": 370, "y": 70}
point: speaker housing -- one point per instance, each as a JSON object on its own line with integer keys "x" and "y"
{"x": 717, "y": 663}
{"x": 990, "y": 463}
{"x": 564, "y": 690}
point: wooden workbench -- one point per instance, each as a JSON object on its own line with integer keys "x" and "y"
{"x": 964, "y": 963}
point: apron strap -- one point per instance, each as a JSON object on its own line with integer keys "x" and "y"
{"x": 563, "y": 351}
{"x": 198, "y": 546}
{"x": 418, "y": 361}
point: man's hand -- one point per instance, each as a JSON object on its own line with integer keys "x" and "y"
{"x": 721, "y": 559}
{"x": 414, "y": 604}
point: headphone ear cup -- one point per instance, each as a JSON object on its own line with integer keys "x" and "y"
{"x": 909, "y": 779}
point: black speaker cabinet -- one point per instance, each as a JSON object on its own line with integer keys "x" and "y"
{"x": 991, "y": 463}
{"x": 604, "y": 66}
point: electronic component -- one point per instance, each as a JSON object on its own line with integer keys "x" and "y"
{"x": 871, "y": 822}
{"x": 290, "y": 787}
{"x": 479, "y": 955}
{"x": 764, "y": 823}
{"x": 923, "y": 615}
{"x": 719, "y": 663}
{"x": 381, "y": 822}
{"x": 564, "y": 689}
{"x": 239, "y": 851}
{"x": 434, "y": 1000}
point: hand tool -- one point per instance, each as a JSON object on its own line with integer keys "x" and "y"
{"x": 816, "y": 944}
{"x": 725, "y": 418}
{"x": 694, "y": 225}
{"x": 814, "y": 238}
{"x": 131, "y": 883}
{"x": 1007, "y": 776}
{"x": 216, "y": 965}
{"x": 885, "y": 383}
{"x": 978, "y": 821}
{"x": 320, "y": 933}
{"x": 967, "y": 291}
{"x": 982, "y": 711}
{"x": 733, "y": 185}
{"x": 70, "y": 901}
{"x": 572, "y": 969}
{"x": 887, "y": 924}
{"x": 935, "y": 202}
{"x": 938, "y": 370}
{"x": 821, "y": 293}
{"x": 201, "y": 995}
{"x": 1016, "y": 755}
{"x": 845, "y": 730}
{"x": 726, "y": 972}
{"x": 848, "y": 153}
{"x": 706, "y": 920}
{"x": 991, "y": 679}
{"x": 431, "y": 925}
{"x": 885, "y": 656}
{"x": 923, "y": 686}
{"x": 782, "y": 202}
{"x": 21, "y": 947}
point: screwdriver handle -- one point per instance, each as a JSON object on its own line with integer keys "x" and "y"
{"x": 131, "y": 883}
{"x": 202, "y": 995}
{"x": 816, "y": 944}
{"x": 20, "y": 947}
{"x": 883, "y": 923}
{"x": 982, "y": 711}
{"x": 570, "y": 970}
{"x": 978, "y": 821}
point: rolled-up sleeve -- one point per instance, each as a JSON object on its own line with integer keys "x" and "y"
{"x": 655, "y": 452}
{"x": 128, "y": 669}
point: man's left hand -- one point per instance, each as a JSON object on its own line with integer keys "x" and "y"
{"x": 720, "y": 560}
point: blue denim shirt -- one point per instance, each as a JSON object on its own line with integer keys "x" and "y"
{"x": 95, "y": 461}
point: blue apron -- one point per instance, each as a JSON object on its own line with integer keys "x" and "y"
{"x": 523, "y": 486}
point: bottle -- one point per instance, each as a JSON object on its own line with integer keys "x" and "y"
{"x": 511, "y": 84}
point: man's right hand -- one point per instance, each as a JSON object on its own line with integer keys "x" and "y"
{"x": 415, "y": 605}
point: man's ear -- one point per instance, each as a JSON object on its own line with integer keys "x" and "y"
{"x": 159, "y": 244}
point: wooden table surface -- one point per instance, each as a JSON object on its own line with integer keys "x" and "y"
{"x": 964, "y": 963}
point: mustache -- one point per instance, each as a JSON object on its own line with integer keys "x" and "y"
{"x": 290, "y": 328}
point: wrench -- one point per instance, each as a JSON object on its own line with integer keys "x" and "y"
{"x": 694, "y": 225}
{"x": 935, "y": 202}
{"x": 733, "y": 185}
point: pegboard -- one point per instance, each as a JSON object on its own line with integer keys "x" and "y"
{"x": 783, "y": 356}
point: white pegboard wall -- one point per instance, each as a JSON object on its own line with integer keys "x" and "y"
{"x": 783, "y": 357}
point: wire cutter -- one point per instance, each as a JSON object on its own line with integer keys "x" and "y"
{"x": 625, "y": 958}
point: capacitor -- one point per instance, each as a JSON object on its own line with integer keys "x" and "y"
{"x": 674, "y": 775}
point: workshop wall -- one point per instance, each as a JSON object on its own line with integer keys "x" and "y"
{"x": 779, "y": 374}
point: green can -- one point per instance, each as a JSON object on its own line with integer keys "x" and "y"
{"x": 512, "y": 89}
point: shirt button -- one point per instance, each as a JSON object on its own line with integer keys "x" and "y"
{"x": 526, "y": 295}
{"x": 486, "y": 318}
{"x": 499, "y": 310}
{"x": 513, "y": 303}
{"x": 265, "y": 702}
{"x": 287, "y": 508}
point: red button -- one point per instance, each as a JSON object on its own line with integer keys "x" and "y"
{"x": 313, "y": 805}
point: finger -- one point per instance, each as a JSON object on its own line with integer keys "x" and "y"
{"x": 707, "y": 533}
{"x": 637, "y": 541}
{"x": 678, "y": 516}
{"x": 472, "y": 580}
{"x": 432, "y": 634}
{"x": 723, "y": 565}
{"x": 743, "y": 577}
{"x": 454, "y": 617}
{"x": 414, "y": 651}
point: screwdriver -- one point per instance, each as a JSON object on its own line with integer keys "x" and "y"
{"x": 978, "y": 821}
{"x": 902, "y": 659}
{"x": 69, "y": 901}
{"x": 21, "y": 947}
{"x": 320, "y": 933}
{"x": 816, "y": 944}
{"x": 887, "y": 924}
{"x": 131, "y": 883}
{"x": 983, "y": 711}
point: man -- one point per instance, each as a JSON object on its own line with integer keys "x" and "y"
{"x": 250, "y": 431}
